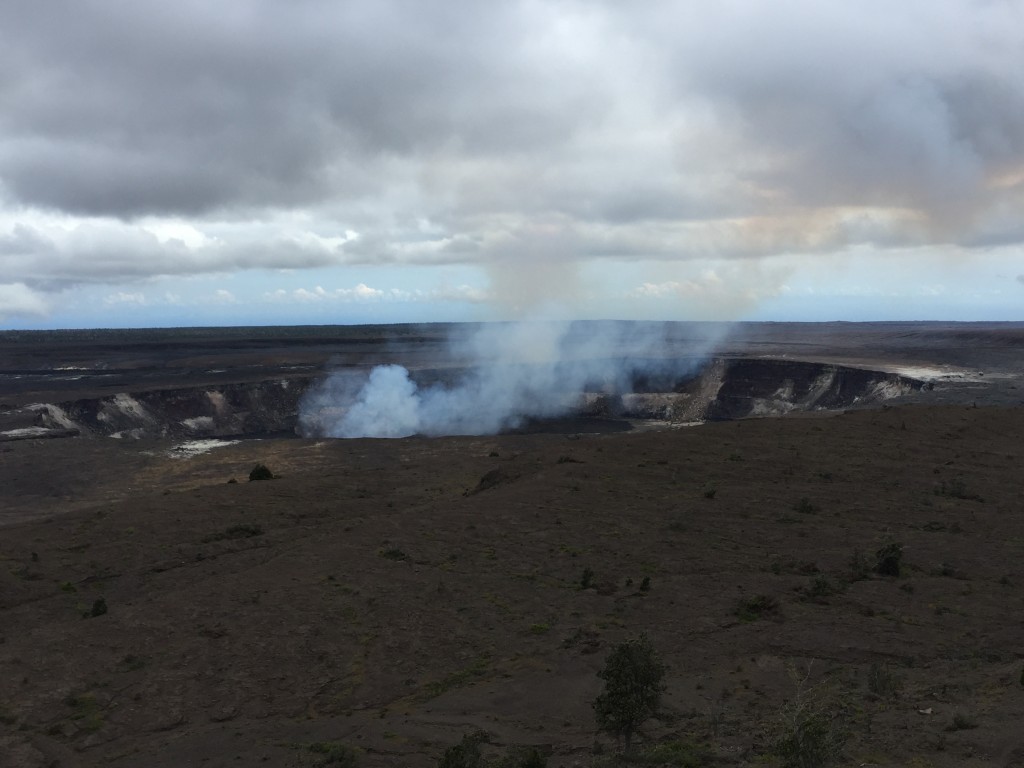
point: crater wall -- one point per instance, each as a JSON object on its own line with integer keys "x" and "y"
{"x": 720, "y": 389}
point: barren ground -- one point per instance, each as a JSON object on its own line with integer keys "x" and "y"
{"x": 392, "y": 596}
{"x": 384, "y": 608}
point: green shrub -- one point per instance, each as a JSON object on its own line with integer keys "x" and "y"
{"x": 587, "y": 578}
{"x": 334, "y": 754}
{"x": 956, "y": 489}
{"x": 961, "y": 722}
{"x": 860, "y": 568}
{"x": 522, "y": 757}
{"x": 465, "y": 754}
{"x": 821, "y": 586}
{"x": 812, "y": 742}
{"x": 261, "y": 472}
{"x": 809, "y": 731}
{"x": 679, "y": 754}
{"x": 133, "y": 663}
{"x": 756, "y": 607}
{"x": 805, "y": 507}
{"x": 887, "y": 559}
{"x": 882, "y": 681}
{"x": 531, "y": 759}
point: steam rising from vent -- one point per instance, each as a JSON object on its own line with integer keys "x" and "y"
{"x": 512, "y": 373}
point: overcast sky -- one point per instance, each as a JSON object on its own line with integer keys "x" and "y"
{"x": 376, "y": 160}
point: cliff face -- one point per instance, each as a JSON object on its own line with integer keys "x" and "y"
{"x": 752, "y": 387}
{"x": 721, "y": 389}
{"x": 742, "y": 388}
{"x": 252, "y": 409}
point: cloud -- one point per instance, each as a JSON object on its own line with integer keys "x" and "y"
{"x": 18, "y": 299}
{"x": 522, "y": 138}
{"x": 53, "y": 253}
{"x": 723, "y": 293}
{"x": 363, "y": 294}
{"x": 111, "y": 114}
{"x": 1020, "y": 279}
{"x": 126, "y": 298}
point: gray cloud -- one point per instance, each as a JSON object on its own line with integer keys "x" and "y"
{"x": 125, "y": 109}
{"x": 450, "y": 131}
{"x": 17, "y": 299}
{"x": 109, "y": 253}
{"x": 866, "y": 105}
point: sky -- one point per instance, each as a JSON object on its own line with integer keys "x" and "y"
{"x": 364, "y": 161}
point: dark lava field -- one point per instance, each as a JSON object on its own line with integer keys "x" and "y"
{"x": 377, "y": 600}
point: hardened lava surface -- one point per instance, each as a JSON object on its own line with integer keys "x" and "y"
{"x": 392, "y": 595}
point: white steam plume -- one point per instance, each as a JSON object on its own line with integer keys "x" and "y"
{"x": 515, "y": 372}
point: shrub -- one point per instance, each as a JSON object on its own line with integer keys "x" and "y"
{"x": 811, "y": 743}
{"x": 261, "y": 472}
{"x": 133, "y": 663}
{"x": 99, "y": 607}
{"x": 821, "y": 586}
{"x": 243, "y": 531}
{"x": 680, "y": 754}
{"x": 756, "y": 607}
{"x": 520, "y": 757}
{"x": 882, "y": 681}
{"x": 808, "y": 732}
{"x": 533, "y": 759}
{"x": 465, "y": 754}
{"x": 805, "y": 507}
{"x": 335, "y": 754}
{"x": 887, "y": 559}
{"x": 961, "y": 722}
{"x": 632, "y": 689}
{"x": 956, "y": 489}
{"x": 860, "y": 568}
{"x": 587, "y": 578}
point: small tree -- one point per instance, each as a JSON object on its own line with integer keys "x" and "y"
{"x": 632, "y": 689}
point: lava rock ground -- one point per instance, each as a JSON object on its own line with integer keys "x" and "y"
{"x": 392, "y": 596}
{"x": 367, "y": 597}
